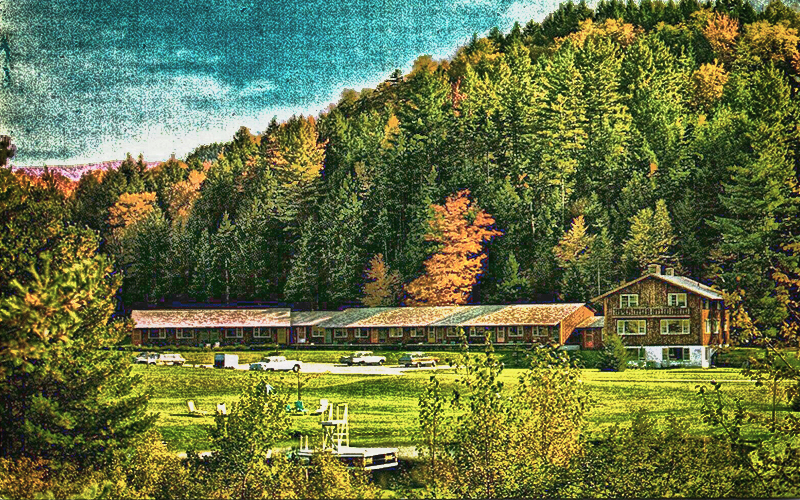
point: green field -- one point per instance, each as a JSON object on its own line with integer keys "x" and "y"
{"x": 383, "y": 409}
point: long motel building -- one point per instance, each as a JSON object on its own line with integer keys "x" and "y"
{"x": 662, "y": 318}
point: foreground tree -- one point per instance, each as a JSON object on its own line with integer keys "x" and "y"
{"x": 65, "y": 398}
{"x": 460, "y": 228}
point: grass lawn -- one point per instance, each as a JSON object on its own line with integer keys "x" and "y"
{"x": 383, "y": 409}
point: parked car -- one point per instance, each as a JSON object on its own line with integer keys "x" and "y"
{"x": 362, "y": 358}
{"x": 417, "y": 359}
{"x": 154, "y": 358}
{"x": 276, "y": 364}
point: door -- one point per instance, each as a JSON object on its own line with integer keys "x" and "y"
{"x": 431, "y": 335}
{"x": 301, "y": 334}
{"x": 588, "y": 341}
{"x": 328, "y": 335}
{"x": 373, "y": 336}
{"x": 501, "y": 334}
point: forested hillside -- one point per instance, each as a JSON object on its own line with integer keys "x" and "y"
{"x": 597, "y": 141}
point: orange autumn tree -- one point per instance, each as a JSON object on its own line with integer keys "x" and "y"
{"x": 460, "y": 228}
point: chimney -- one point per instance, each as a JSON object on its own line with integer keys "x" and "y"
{"x": 654, "y": 269}
{"x": 669, "y": 271}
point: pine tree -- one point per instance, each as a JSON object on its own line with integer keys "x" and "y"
{"x": 651, "y": 238}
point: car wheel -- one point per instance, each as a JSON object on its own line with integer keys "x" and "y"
{"x": 363, "y": 363}
{"x": 419, "y": 365}
{"x": 349, "y": 363}
{"x": 433, "y": 365}
{"x": 380, "y": 363}
{"x": 270, "y": 369}
{"x": 296, "y": 368}
{"x": 407, "y": 365}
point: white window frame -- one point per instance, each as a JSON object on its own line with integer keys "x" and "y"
{"x": 340, "y": 333}
{"x": 362, "y": 333}
{"x": 686, "y": 354}
{"x": 160, "y": 334}
{"x": 640, "y": 324}
{"x": 189, "y": 333}
{"x": 677, "y": 300}
{"x": 712, "y": 325}
{"x": 238, "y": 333}
{"x": 473, "y": 332}
{"x": 417, "y": 331}
{"x": 632, "y": 300}
{"x": 317, "y": 332}
{"x": 515, "y": 331}
{"x": 260, "y": 332}
{"x": 685, "y": 326}
{"x": 451, "y": 331}
{"x": 395, "y": 333}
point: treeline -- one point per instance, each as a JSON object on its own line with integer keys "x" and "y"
{"x": 598, "y": 140}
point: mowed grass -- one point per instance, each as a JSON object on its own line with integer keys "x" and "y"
{"x": 383, "y": 410}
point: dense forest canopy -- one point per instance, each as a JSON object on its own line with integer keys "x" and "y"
{"x": 598, "y": 140}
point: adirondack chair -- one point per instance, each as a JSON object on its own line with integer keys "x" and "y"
{"x": 194, "y": 411}
{"x": 323, "y": 405}
{"x": 299, "y": 408}
{"x": 221, "y": 409}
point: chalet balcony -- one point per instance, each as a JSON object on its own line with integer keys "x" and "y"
{"x": 650, "y": 311}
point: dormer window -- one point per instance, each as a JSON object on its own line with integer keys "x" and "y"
{"x": 629, "y": 300}
{"x": 676, "y": 299}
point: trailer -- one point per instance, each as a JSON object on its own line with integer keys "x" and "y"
{"x": 226, "y": 360}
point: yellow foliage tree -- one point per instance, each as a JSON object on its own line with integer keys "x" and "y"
{"x": 708, "y": 82}
{"x": 621, "y": 32}
{"x": 383, "y": 285}
{"x": 183, "y": 194}
{"x": 130, "y": 208}
{"x": 763, "y": 41}
{"x": 721, "y": 32}
{"x": 574, "y": 242}
{"x": 461, "y": 229}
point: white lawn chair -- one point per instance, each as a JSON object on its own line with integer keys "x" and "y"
{"x": 194, "y": 411}
{"x": 221, "y": 409}
{"x": 323, "y": 405}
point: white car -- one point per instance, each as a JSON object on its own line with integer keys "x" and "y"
{"x": 153, "y": 358}
{"x": 362, "y": 358}
{"x": 276, "y": 364}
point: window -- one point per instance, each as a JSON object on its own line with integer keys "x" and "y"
{"x": 712, "y": 326}
{"x": 158, "y": 333}
{"x": 340, "y": 333}
{"x": 317, "y": 332}
{"x": 417, "y": 332}
{"x": 631, "y": 327}
{"x": 674, "y": 326}
{"x": 555, "y": 334}
{"x": 635, "y": 353}
{"x": 515, "y": 331}
{"x": 362, "y": 333}
{"x": 675, "y": 354}
{"x": 474, "y": 332}
{"x": 396, "y": 333}
{"x": 234, "y": 333}
{"x": 629, "y": 300}
{"x": 451, "y": 331}
{"x": 676, "y": 299}
{"x": 184, "y": 333}
{"x": 261, "y": 333}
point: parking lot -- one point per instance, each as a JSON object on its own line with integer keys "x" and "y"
{"x": 341, "y": 369}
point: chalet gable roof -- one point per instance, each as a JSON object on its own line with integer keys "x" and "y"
{"x": 211, "y": 318}
{"x": 683, "y": 282}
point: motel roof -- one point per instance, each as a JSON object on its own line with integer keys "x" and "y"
{"x": 211, "y": 318}
{"x": 492, "y": 315}
{"x": 593, "y": 322}
{"x": 525, "y": 314}
{"x": 312, "y": 318}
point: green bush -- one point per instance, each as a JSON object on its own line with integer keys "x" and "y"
{"x": 614, "y": 356}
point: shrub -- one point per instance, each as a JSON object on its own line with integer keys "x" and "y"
{"x": 614, "y": 356}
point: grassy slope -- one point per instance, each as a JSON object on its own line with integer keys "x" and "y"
{"x": 383, "y": 409}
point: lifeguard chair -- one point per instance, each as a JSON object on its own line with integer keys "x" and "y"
{"x": 336, "y": 441}
{"x": 335, "y": 427}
